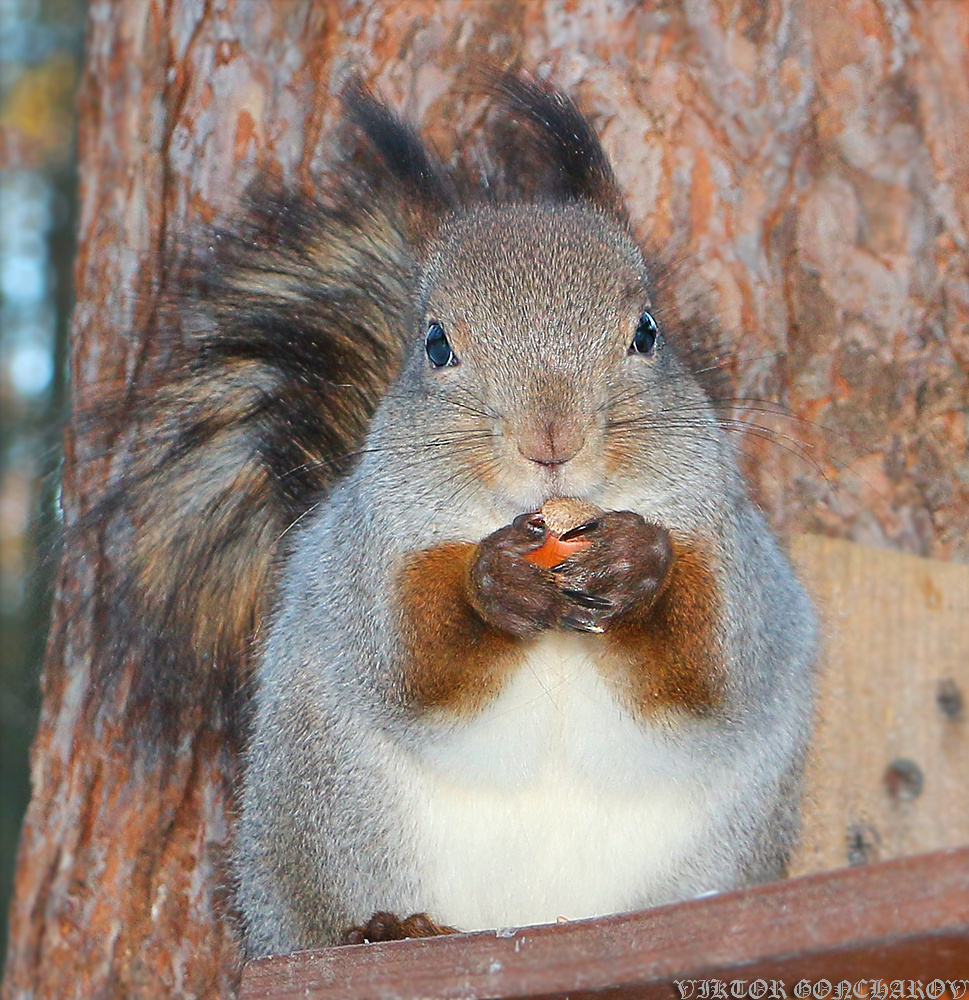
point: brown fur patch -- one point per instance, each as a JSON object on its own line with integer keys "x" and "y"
{"x": 669, "y": 655}
{"x": 455, "y": 660}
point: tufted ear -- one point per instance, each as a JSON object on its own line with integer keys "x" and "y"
{"x": 423, "y": 179}
{"x": 576, "y": 165}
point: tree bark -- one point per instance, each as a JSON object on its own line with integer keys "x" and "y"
{"x": 801, "y": 166}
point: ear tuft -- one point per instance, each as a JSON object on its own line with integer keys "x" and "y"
{"x": 400, "y": 148}
{"x": 565, "y": 139}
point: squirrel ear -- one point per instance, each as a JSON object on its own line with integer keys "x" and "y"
{"x": 428, "y": 188}
{"x": 578, "y": 165}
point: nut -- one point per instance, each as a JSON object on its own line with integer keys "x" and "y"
{"x": 561, "y": 514}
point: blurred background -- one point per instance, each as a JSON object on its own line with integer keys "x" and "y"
{"x": 41, "y": 43}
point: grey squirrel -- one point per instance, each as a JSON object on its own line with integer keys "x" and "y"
{"x": 350, "y": 455}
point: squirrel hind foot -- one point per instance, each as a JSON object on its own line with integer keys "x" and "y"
{"x": 384, "y": 926}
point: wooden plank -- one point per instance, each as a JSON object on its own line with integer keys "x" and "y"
{"x": 892, "y": 689}
{"x": 903, "y": 919}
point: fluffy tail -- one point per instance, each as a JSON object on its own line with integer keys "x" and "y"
{"x": 295, "y": 327}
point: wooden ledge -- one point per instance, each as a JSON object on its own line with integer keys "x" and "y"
{"x": 902, "y": 919}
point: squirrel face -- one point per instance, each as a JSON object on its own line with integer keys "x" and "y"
{"x": 541, "y": 357}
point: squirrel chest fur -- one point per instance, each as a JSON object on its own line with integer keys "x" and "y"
{"x": 440, "y": 725}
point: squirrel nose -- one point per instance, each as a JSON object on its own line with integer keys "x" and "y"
{"x": 551, "y": 443}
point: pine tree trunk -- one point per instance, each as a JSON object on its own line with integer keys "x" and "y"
{"x": 803, "y": 164}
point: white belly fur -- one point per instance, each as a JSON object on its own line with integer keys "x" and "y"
{"x": 552, "y": 802}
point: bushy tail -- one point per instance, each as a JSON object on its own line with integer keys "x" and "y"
{"x": 294, "y": 328}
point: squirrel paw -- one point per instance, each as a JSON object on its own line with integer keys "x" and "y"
{"x": 620, "y": 574}
{"x": 384, "y": 926}
{"x": 506, "y": 589}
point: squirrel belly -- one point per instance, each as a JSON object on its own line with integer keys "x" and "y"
{"x": 554, "y": 800}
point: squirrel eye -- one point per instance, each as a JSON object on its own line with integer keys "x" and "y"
{"x": 438, "y": 348}
{"x": 645, "y": 337}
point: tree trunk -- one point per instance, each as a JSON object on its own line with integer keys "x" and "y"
{"x": 804, "y": 166}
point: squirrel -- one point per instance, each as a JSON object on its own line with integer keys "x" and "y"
{"x": 354, "y": 452}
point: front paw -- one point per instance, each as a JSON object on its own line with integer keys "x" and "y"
{"x": 619, "y": 575}
{"x": 507, "y": 590}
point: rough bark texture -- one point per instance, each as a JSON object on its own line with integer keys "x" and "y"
{"x": 803, "y": 165}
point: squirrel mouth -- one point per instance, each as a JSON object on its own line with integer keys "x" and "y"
{"x": 534, "y": 496}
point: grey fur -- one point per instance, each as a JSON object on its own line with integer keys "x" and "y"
{"x": 540, "y": 302}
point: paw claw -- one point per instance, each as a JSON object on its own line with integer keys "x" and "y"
{"x": 588, "y": 600}
{"x": 579, "y": 530}
{"x": 534, "y": 522}
{"x": 581, "y": 625}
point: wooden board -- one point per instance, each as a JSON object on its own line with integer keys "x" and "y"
{"x": 888, "y": 774}
{"x": 906, "y": 919}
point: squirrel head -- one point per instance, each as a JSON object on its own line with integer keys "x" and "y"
{"x": 539, "y": 363}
